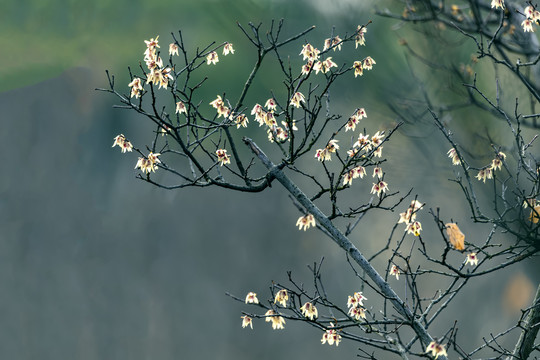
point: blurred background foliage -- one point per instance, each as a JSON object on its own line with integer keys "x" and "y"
{"x": 95, "y": 264}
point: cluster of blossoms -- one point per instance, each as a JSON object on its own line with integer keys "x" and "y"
{"x": 331, "y": 336}
{"x": 277, "y": 321}
{"x": 496, "y": 164}
{"x": 326, "y": 153}
{"x": 358, "y": 115}
{"x": 122, "y": 143}
{"x": 267, "y": 117}
{"x": 533, "y": 16}
{"x": 305, "y": 222}
{"x": 148, "y": 164}
{"x": 314, "y": 64}
{"x": 436, "y": 349}
{"x": 409, "y": 218}
{"x": 355, "y": 304}
{"x": 213, "y": 58}
{"x": 158, "y": 74}
{"x": 357, "y": 172}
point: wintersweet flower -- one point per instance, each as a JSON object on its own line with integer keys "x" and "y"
{"x": 306, "y": 68}
{"x": 305, "y": 222}
{"x": 360, "y": 114}
{"x": 310, "y": 311}
{"x": 136, "y": 87}
{"x": 351, "y": 124}
{"x": 359, "y": 39}
{"x": 181, "y": 108}
{"x": 247, "y": 321}
{"x": 297, "y": 98}
{"x": 218, "y": 102}
{"x": 529, "y": 12}
{"x": 379, "y": 187}
{"x": 223, "y": 158}
{"x": 269, "y": 119}
{"x": 455, "y": 236}
{"x": 122, "y": 143}
{"x": 331, "y": 337}
{"x": 357, "y": 312}
{"x": 173, "y": 49}
{"x": 327, "y": 65}
{"x": 224, "y": 111}
{"x": 414, "y": 228}
{"x": 356, "y": 300}
{"x": 378, "y": 152}
{"x": 452, "y": 153}
{"x": 377, "y": 171}
{"x": 348, "y": 177}
{"x": 309, "y": 52}
{"x": 281, "y": 297}
{"x": 436, "y": 349}
{"x": 269, "y": 314}
{"x": 212, "y": 58}
{"x": 228, "y": 48}
{"x": 496, "y": 164}
{"x": 497, "y": 4}
{"x": 359, "y": 171}
{"x": 323, "y": 155}
{"x": 472, "y": 259}
{"x": 358, "y": 68}
{"x": 394, "y": 271}
{"x": 363, "y": 142}
{"x": 270, "y": 104}
{"x": 335, "y": 41}
{"x": 483, "y": 174}
{"x": 376, "y": 139}
{"x": 148, "y": 164}
{"x": 251, "y": 298}
{"x": 241, "y": 120}
{"x": 527, "y": 25}
{"x": 294, "y": 128}
{"x": 317, "y": 67}
{"x": 368, "y": 63}
{"x": 277, "y": 322}
{"x": 332, "y": 146}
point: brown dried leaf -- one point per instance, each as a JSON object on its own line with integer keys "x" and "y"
{"x": 534, "y": 214}
{"x": 456, "y": 237}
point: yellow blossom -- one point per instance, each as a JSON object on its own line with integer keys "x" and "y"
{"x": 277, "y": 322}
{"x": 148, "y": 164}
{"x": 310, "y": 311}
{"x": 359, "y": 171}
{"x": 241, "y": 120}
{"x": 379, "y": 187}
{"x": 270, "y": 104}
{"x": 251, "y": 298}
{"x": 394, "y": 271}
{"x": 497, "y": 4}
{"x": 217, "y": 103}
{"x": 358, "y": 68}
{"x": 305, "y": 222}
{"x": 173, "y": 49}
{"x": 357, "y": 312}
{"x": 122, "y": 143}
{"x": 247, "y": 321}
{"x": 228, "y": 48}
{"x": 181, "y": 108}
{"x": 414, "y": 228}
{"x": 331, "y": 336}
{"x": 368, "y": 63}
{"x": 223, "y": 158}
{"x": 356, "y": 300}
{"x": 377, "y": 171}
{"x": 486, "y": 173}
{"x": 281, "y": 297}
{"x": 309, "y": 52}
{"x": 335, "y": 41}
{"x": 436, "y": 349}
{"x": 212, "y": 58}
{"x": 359, "y": 39}
{"x": 363, "y": 142}
{"x": 527, "y": 25}
{"x": 378, "y": 151}
{"x": 496, "y": 164}
{"x": 327, "y": 65}
{"x": 452, "y": 153}
{"x": 472, "y": 259}
{"x": 297, "y": 98}
{"x": 136, "y": 87}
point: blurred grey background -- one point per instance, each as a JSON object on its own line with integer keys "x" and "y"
{"x": 95, "y": 264}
